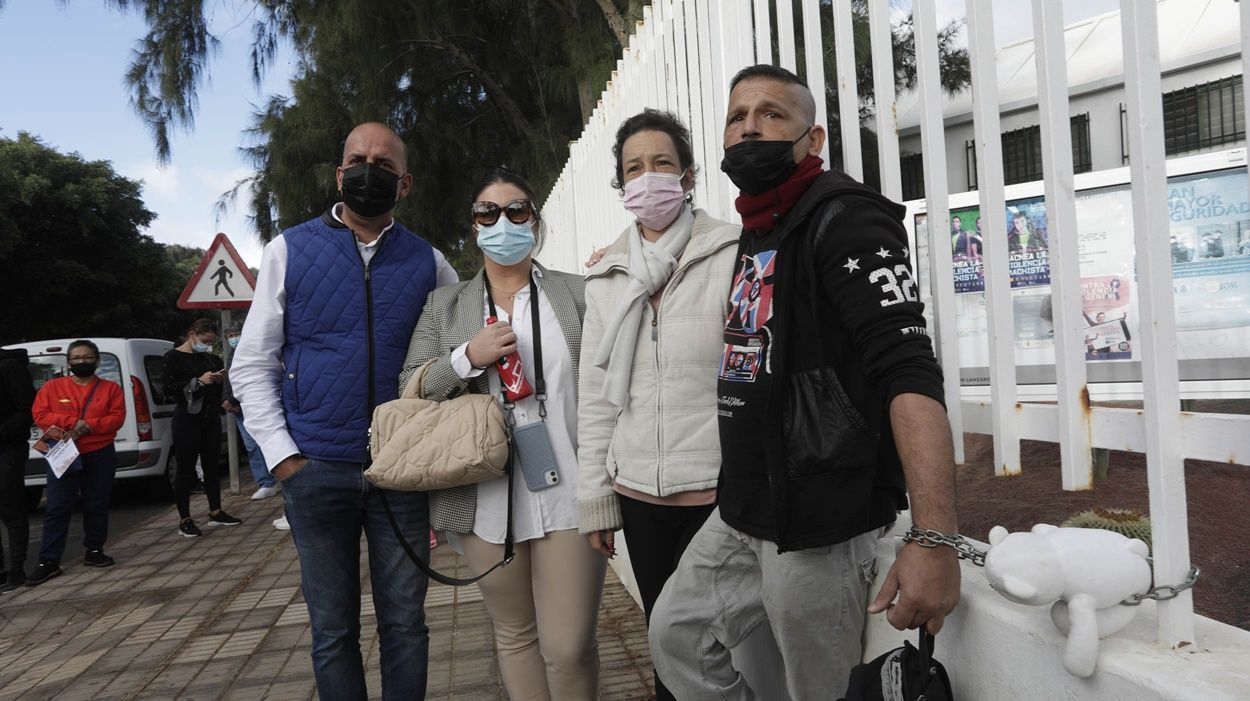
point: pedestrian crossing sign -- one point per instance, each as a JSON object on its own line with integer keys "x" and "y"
{"x": 221, "y": 281}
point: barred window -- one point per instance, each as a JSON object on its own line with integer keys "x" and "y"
{"x": 1082, "y": 161}
{"x": 912, "y": 166}
{"x": 1203, "y": 116}
{"x": 1022, "y": 153}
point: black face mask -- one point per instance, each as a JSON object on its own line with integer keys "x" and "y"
{"x": 758, "y": 166}
{"x": 83, "y": 369}
{"x": 369, "y": 190}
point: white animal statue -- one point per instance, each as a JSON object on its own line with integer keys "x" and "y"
{"x": 1084, "y": 572}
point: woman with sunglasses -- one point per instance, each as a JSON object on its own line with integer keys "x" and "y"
{"x": 651, "y": 351}
{"x": 516, "y": 328}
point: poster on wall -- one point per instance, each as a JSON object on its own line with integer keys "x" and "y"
{"x": 1028, "y": 252}
{"x": 966, "y": 250}
{"x": 1210, "y": 241}
{"x": 1105, "y": 246}
{"x": 1105, "y": 307}
{"x": 1210, "y": 248}
{"x": 1034, "y": 324}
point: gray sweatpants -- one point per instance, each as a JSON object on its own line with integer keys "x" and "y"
{"x": 728, "y": 583}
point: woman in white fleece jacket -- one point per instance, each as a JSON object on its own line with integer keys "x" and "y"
{"x": 649, "y": 448}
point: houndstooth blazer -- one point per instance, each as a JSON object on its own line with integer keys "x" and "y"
{"x": 451, "y": 317}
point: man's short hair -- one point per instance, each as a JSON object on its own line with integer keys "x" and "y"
{"x": 781, "y": 75}
{"x": 403, "y": 147}
{"x": 83, "y": 343}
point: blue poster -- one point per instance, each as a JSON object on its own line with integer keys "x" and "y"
{"x": 1210, "y": 242}
{"x": 1028, "y": 251}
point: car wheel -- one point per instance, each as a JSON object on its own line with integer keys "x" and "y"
{"x": 34, "y": 495}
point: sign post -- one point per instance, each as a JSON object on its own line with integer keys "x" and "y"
{"x": 222, "y": 281}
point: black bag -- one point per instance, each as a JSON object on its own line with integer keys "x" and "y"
{"x": 902, "y": 674}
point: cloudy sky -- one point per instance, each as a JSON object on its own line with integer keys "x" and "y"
{"x": 61, "y": 70}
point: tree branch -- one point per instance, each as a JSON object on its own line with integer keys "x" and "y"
{"x": 615, "y": 21}
{"x": 494, "y": 89}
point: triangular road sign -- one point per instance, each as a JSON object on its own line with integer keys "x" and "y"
{"x": 221, "y": 281}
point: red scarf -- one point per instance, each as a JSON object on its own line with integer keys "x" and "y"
{"x": 762, "y": 212}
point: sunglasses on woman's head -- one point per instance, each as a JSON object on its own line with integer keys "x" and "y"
{"x": 517, "y": 212}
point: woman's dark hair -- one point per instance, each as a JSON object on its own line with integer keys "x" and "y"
{"x": 83, "y": 343}
{"x": 203, "y": 326}
{"x": 654, "y": 120}
{"x": 504, "y": 174}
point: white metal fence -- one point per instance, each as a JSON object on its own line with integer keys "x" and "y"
{"x": 681, "y": 59}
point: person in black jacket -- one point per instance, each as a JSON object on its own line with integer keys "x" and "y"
{"x": 193, "y": 376}
{"x": 830, "y": 406}
{"x": 17, "y": 393}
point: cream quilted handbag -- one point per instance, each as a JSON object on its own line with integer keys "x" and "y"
{"x": 419, "y": 445}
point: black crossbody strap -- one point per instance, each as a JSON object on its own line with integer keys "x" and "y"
{"x": 540, "y": 384}
{"x": 87, "y": 404}
{"x": 425, "y": 566}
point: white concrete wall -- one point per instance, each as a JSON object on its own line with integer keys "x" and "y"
{"x": 996, "y": 650}
{"x": 1102, "y": 102}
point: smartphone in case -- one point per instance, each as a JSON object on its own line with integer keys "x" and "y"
{"x": 534, "y": 452}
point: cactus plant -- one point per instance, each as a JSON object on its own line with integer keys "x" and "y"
{"x": 1126, "y": 522}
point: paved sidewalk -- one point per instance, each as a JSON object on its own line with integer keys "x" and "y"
{"x": 222, "y": 617}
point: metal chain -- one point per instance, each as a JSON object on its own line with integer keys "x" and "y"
{"x": 928, "y": 538}
{"x": 1166, "y": 591}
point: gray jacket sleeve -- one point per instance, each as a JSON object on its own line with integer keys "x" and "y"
{"x": 441, "y": 381}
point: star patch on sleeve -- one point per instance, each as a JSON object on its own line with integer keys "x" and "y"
{"x": 852, "y": 264}
{"x": 883, "y": 252}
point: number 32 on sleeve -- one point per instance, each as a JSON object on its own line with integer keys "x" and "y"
{"x": 898, "y": 284}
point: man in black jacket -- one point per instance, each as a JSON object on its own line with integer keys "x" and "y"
{"x": 17, "y": 394}
{"x": 838, "y": 418}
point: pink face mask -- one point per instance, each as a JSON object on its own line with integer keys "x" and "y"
{"x": 655, "y": 199}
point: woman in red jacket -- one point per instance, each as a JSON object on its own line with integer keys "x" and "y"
{"x": 91, "y": 410}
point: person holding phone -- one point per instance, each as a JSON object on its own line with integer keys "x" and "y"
{"x": 192, "y": 375}
{"x": 516, "y": 327}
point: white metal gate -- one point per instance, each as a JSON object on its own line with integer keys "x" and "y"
{"x": 681, "y": 58}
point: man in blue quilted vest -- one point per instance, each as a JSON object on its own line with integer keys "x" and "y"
{"x": 335, "y": 305}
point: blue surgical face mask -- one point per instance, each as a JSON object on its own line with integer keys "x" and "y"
{"x": 233, "y": 341}
{"x": 506, "y": 243}
{"x": 200, "y": 347}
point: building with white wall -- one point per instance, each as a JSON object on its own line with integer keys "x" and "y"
{"x": 1200, "y": 52}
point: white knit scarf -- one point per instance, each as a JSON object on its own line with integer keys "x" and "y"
{"x": 650, "y": 267}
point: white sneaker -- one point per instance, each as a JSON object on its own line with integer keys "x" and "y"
{"x": 264, "y": 493}
{"x": 281, "y": 524}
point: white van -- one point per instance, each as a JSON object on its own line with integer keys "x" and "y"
{"x": 144, "y": 442}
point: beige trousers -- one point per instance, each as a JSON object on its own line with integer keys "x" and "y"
{"x": 544, "y": 606}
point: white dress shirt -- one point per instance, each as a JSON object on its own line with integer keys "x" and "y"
{"x": 534, "y": 514}
{"x": 256, "y": 371}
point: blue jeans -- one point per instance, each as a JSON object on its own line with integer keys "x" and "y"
{"x": 328, "y": 506}
{"x": 95, "y": 481}
{"x": 255, "y": 458}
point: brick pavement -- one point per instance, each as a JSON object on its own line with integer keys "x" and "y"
{"x": 222, "y": 617}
